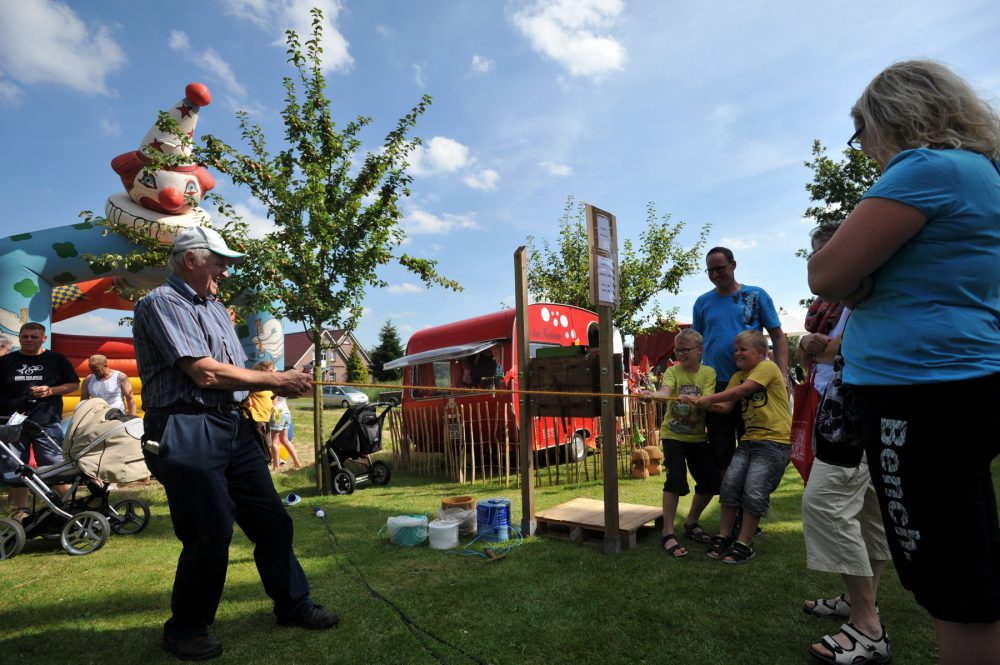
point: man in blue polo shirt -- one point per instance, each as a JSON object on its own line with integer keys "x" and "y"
{"x": 206, "y": 453}
{"x": 720, "y": 315}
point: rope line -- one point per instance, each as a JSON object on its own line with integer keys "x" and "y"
{"x": 503, "y": 391}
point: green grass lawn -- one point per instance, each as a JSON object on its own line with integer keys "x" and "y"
{"x": 549, "y": 601}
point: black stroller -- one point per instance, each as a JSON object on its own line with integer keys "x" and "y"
{"x": 357, "y": 435}
{"x": 101, "y": 447}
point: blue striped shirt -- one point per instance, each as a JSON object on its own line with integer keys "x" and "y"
{"x": 174, "y": 322}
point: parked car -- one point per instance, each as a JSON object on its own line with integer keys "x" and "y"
{"x": 343, "y": 396}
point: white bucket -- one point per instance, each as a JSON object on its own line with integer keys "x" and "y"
{"x": 443, "y": 534}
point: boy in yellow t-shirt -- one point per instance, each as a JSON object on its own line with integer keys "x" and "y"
{"x": 685, "y": 443}
{"x": 762, "y": 455}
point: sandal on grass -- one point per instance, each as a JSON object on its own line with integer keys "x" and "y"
{"x": 673, "y": 550}
{"x": 864, "y": 649}
{"x": 697, "y": 534}
{"x": 739, "y": 553}
{"x": 720, "y": 545}
{"x": 830, "y": 607}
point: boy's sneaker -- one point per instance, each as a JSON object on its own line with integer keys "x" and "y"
{"x": 198, "y": 647}
{"x": 313, "y": 618}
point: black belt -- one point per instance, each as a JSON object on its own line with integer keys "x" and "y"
{"x": 191, "y": 409}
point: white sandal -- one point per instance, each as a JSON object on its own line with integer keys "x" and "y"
{"x": 864, "y": 649}
{"x": 840, "y": 609}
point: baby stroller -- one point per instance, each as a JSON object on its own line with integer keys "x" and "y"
{"x": 357, "y": 435}
{"x": 102, "y": 446}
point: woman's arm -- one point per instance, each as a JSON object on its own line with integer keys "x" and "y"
{"x": 869, "y": 237}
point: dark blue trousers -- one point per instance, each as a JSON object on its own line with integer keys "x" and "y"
{"x": 215, "y": 474}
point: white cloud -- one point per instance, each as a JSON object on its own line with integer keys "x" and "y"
{"x": 438, "y": 155}
{"x": 384, "y": 31}
{"x": 255, "y": 216}
{"x": 46, "y": 42}
{"x": 418, "y": 74}
{"x": 556, "y": 169}
{"x": 485, "y": 180}
{"x": 421, "y": 222}
{"x": 110, "y": 127}
{"x": 102, "y": 322}
{"x": 563, "y": 31}
{"x": 208, "y": 60}
{"x": 275, "y": 16}
{"x": 738, "y": 243}
{"x": 481, "y": 65}
{"x": 405, "y": 287}
{"x": 10, "y": 94}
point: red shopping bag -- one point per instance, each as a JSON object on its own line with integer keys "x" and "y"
{"x": 803, "y": 421}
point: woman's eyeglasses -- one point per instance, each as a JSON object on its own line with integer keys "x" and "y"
{"x": 854, "y": 143}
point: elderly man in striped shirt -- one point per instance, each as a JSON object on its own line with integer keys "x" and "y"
{"x": 204, "y": 451}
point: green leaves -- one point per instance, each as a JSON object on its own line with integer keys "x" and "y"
{"x": 657, "y": 264}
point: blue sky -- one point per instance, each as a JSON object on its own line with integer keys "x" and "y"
{"x": 708, "y": 110}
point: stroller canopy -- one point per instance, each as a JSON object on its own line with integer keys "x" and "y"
{"x": 105, "y": 443}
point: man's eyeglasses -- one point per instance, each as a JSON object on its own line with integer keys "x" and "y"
{"x": 717, "y": 270}
{"x": 854, "y": 142}
{"x": 684, "y": 352}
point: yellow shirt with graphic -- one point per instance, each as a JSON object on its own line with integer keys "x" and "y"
{"x": 686, "y": 422}
{"x": 260, "y": 405}
{"x": 765, "y": 413}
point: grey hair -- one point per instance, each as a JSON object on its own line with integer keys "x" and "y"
{"x": 176, "y": 261}
{"x": 5, "y": 343}
{"x": 923, "y": 104}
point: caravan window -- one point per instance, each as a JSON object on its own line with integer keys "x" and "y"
{"x": 437, "y": 374}
{"x": 474, "y": 371}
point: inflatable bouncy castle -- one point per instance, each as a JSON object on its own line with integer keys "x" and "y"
{"x": 44, "y": 278}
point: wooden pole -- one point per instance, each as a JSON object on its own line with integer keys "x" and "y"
{"x": 609, "y": 439}
{"x": 528, "y": 523}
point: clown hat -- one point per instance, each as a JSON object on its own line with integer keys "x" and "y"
{"x": 185, "y": 112}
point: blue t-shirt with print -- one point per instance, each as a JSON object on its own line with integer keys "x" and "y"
{"x": 721, "y": 318}
{"x": 934, "y": 311}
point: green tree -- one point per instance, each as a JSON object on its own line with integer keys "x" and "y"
{"x": 836, "y": 187}
{"x": 389, "y": 348}
{"x": 335, "y": 208}
{"x": 357, "y": 371}
{"x": 658, "y": 263}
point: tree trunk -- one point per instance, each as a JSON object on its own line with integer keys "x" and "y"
{"x": 323, "y": 485}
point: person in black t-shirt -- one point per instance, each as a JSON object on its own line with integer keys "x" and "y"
{"x": 32, "y": 382}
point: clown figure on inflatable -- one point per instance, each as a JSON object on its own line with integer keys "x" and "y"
{"x": 43, "y": 273}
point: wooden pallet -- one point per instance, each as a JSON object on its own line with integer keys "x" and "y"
{"x": 582, "y": 520}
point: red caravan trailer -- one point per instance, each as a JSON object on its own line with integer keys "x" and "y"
{"x": 481, "y": 352}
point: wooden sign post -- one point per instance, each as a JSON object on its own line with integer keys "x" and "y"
{"x": 525, "y": 456}
{"x": 602, "y": 241}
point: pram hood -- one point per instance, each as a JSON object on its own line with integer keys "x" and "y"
{"x": 105, "y": 443}
{"x": 358, "y": 432}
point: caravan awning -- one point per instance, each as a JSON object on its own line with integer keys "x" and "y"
{"x": 444, "y": 353}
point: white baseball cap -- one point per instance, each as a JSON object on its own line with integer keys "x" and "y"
{"x": 203, "y": 237}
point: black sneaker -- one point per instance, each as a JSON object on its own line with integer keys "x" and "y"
{"x": 313, "y": 618}
{"x": 199, "y": 647}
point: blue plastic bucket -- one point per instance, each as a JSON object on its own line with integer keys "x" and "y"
{"x": 493, "y": 519}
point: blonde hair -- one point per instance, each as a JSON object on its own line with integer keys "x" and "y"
{"x": 754, "y": 337}
{"x": 264, "y": 366}
{"x": 689, "y": 335}
{"x": 98, "y": 359}
{"x": 923, "y": 104}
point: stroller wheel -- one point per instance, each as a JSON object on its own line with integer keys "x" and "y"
{"x": 344, "y": 482}
{"x": 12, "y": 538}
{"x": 84, "y": 533}
{"x": 129, "y": 517}
{"x": 379, "y": 473}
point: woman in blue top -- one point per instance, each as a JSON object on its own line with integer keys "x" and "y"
{"x": 919, "y": 260}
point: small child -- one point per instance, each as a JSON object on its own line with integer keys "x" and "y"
{"x": 685, "y": 442}
{"x": 762, "y": 454}
{"x": 281, "y": 419}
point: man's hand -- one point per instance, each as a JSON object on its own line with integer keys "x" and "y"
{"x": 39, "y": 392}
{"x": 293, "y": 383}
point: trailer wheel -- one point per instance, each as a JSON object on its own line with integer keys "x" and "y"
{"x": 380, "y": 473}
{"x": 84, "y": 533}
{"x": 132, "y": 517}
{"x": 344, "y": 482}
{"x": 12, "y": 538}
{"x": 576, "y": 449}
